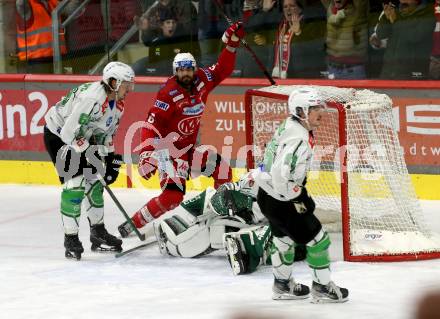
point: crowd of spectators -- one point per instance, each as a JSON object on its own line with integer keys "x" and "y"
{"x": 333, "y": 39}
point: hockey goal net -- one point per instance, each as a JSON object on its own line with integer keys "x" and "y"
{"x": 358, "y": 171}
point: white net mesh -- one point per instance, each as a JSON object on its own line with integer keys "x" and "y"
{"x": 385, "y": 217}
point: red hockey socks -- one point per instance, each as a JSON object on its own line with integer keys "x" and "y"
{"x": 157, "y": 206}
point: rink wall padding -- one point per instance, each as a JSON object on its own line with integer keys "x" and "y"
{"x": 24, "y": 99}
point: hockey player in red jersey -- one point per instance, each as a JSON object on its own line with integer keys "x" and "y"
{"x": 172, "y": 125}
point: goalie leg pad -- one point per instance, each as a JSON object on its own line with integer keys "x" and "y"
{"x": 221, "y": 225}
{"x": 255, "y": 241}
{"x": 282, "y": 257}
{"x": 247, "y": 248}
{"x": 238, "y": 260}
{"x": 195, "y": 205}
{"x": 71, "y": 199}
{"x": 318, "y": 257}
{"x": 182, "y": 240}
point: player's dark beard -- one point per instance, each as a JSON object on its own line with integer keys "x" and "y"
{"x": 186, "y": 81}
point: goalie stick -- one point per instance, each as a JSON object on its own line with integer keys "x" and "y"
{"x": 246, "y": 45}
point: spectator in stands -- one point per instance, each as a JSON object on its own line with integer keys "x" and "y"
{"x": 184, "y": 11}
{"x": 434, "y": 66}
{"x": 164, "y": 47}
{"x": 259, "y": 19}
{"x": 299, "y": 48}
{"x": 34, "y": 34}
{"x": 408, "y": 34}
{"x": 347, "y": 38}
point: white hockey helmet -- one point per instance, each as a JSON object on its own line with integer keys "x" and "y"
{"x": 184, "y": 60}
{"x": 118, "y": 71}
{"x": 304, "y": 98}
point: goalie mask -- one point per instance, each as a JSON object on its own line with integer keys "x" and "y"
{"x": 301, "y": 100}
{"x": 120, "y": 72}
{"x": 184, "y": 60}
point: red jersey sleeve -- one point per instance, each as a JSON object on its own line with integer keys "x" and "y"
{"x": 156, "y": 122}
{"x": 224, "y": 66}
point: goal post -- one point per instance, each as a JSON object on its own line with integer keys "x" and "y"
{"x": 358, "y": 172}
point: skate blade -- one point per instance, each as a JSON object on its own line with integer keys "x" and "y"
{"x": 104, "y": 248}
{"x": 289, "y": 297}
{"x": 321, "y": 300}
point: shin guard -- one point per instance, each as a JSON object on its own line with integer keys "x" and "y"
{"x": 318, "y": 257}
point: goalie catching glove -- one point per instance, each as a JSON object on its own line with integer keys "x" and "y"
{"x": 233, "y": 35}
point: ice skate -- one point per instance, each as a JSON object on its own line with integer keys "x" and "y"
{"x": 74, "y": 247}
{"x": 235, "y": 255}
{"x": 101, "y": 240}
{"x": 329, "y": 293}
{"x": 125, "y": 229}
{"x": 289, "y": 290}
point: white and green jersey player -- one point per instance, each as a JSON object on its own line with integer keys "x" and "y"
{"x": 79, "y": 139}
{"x": 228, "y": 217}
{"x": 284, "y": 200}
{"x": 85, "y": 114}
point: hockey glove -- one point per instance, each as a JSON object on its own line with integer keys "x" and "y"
{"x": 304, "y": 203}
{"x": 233, "y": 35}
{"x": 147, "y": 164}
{"x": 113, "y": 163}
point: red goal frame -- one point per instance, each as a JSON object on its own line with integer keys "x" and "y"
{"x": 344, "y": 182}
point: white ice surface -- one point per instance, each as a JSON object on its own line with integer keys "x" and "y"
{"x": 36, "y": 281}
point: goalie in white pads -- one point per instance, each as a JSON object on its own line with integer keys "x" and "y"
{"x": 284, "y": 200}
{"x": 227, "y": 218}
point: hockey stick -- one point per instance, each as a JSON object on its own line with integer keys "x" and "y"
{"x": 246, "y": 45}
{"x": 115, "y": 200}
{"x": 135, "y": 248}
{"x": 121, "y": 209}
{"x": 109, "y": 191}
